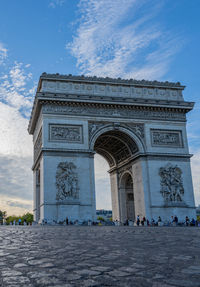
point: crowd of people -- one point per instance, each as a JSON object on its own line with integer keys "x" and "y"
{"x": 140, "y": 221}
{"x": 174, "y": 221}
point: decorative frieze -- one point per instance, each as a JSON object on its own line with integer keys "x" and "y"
{"x": 93, "y": 127}
{"x": 38, "y": 145}
{"x": 106, "y": 89}
{"x": 66, "y": 133}
{"x": 138, "y": 129}
{"x": 114, "y": 112}
{"x": 171, "y": 183}
{"x": 66, "y": 181}
{"x": 166, "y": 138}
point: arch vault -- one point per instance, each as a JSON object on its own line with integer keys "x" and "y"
{"x": 137, "y": 126}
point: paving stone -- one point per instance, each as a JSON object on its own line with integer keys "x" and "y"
{"x": 11, "y": 273}
{"x": 101, "y": 268}
{"x": 88, "y": 272}
{"x": 118, "y": 273}
{"x": 82, "y": 256}
{"x": 20, "y": 265}
{"x": 192, "y": 270}
{"x": 47, "y": 281}
{"x": 89, "y": 283}
{"x": 72, "y": 277}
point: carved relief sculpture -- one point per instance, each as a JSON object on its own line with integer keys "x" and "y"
{"x": 38, "y": 145}
{"x": 66, "y": 133}
{"x": 114, "y": 112}
{"x": 138, "y": 129}
{"x": 171, "y": 183}
{"x": 66, "y": 181}
{"x": 166, "y": 138}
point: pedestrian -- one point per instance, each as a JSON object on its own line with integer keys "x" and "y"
{"x": 143, "y": 221}
{"x": 176, "y": 220}
{"x": 187, "y": 221}
{"x": 138, "y": 220}
{"x": 67, "y": 221}
{"x": 159, "y": 221}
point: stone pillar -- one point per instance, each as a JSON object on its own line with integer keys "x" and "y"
{"x": 37, "y": 195}
{"x": 139, "y": 188}
{"x": 92, "y": 186}
{"x": 34, "y": 196}
{"x": 122, "y": 204}
{"x": 115, "y": 195}
{"x": 177, "y": 180}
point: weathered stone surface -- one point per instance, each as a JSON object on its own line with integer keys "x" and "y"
{"x": 139, "y": 127}
{"x": 100, "y": 256}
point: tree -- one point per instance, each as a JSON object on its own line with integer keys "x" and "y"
{"x": 2, "y": 214}
{"x": 28, "y": 217}
{"x": 100, "y": 218}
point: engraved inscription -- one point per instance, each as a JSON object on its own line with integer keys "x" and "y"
{"x": 66, "y": 133}
{"x": 167, "y": 138}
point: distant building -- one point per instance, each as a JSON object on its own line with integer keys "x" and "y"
{"x": 106, "y": 214}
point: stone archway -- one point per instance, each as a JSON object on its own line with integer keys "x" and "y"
{"x": 118, "y": 146}
{"x": 126, "y": 195}
{"x": 138, "y": 126}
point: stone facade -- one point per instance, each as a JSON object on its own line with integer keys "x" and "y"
{"x": 139, "y": 127}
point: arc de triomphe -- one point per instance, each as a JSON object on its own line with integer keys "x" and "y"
{"x": 139, "y": 127}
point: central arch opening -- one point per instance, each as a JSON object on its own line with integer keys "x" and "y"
{"x": 118, "y": 149}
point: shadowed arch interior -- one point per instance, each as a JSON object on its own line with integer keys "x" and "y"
{"x": 115, "y": 146}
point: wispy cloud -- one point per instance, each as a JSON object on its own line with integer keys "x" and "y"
{"x": 121, "y": 39}
{"x": 3, "y": 53}
{"x": 54, "y": 3}
{"x": 15, "y": 89}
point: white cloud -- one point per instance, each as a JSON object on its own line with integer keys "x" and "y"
{"x": 3, "y": 53}
{"x": 14, "y": 87}
{"x": 15, "y": 206}
{"x": 120, "y": 39}
{"x": 14, "y": 137}
{"x": 102, "y": 183}
{"x": 16, "y": 96}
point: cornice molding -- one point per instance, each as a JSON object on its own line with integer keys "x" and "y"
{"x": 146, "y": 106}
{"x": 94, "y": 79}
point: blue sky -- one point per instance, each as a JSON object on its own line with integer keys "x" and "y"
{"x": 153, "y": 39}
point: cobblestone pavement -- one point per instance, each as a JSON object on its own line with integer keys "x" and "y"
{"x": 99, "y": 256}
